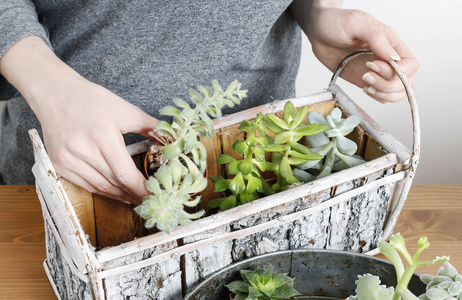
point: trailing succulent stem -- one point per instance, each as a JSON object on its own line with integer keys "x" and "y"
{"x": 181, "y": 135}
{"x": 332, "y": 144}
{"x": 183, "y": 156}
{"x": 368, "y": 286}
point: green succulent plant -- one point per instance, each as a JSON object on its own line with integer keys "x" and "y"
{"x": 286, "y": 149}
{"x": 332, "y": 144}
{"x": 248, "y": 182}
{"x": 262, "y": 284}
{"x": 183, "y": 156}
{"x": 446, "y": 285}
{"x": 181, "y": 135}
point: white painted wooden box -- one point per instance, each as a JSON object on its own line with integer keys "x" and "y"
{"x": 97, "y": 248}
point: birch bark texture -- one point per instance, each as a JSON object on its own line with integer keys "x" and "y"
{"x": 347, "y": 210}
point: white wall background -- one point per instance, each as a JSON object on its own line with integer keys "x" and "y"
{"x": 433, "y": 31}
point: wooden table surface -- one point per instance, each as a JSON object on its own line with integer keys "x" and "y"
{"x": 431, "y": 210}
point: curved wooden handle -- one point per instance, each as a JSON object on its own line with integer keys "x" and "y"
{"x": 415, "y": 155}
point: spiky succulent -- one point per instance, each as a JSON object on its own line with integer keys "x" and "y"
{"x": 446, "y": 285}
{"x": 338, "y": 150}
{"x": 263, "y": 284}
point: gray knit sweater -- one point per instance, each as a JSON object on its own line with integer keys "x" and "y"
{"x": 148, "y": 52}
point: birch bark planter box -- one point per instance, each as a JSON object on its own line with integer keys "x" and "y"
{"x": 319, "y": 274}
{"x": 98, "y": 249}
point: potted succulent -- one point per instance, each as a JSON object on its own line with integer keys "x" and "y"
{"x": 181, "y": 158}
{"x": 327, "y": 274}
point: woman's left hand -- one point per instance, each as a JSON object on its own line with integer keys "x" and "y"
{"x": 335, "y": 33}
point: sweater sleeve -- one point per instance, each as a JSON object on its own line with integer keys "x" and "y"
{"x": 18, "y": 19}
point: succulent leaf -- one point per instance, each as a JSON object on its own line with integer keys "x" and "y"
{"x": 225, "y": 159}
{"x": 152, "y": 185}
{"x": 170, "y": 111}
{"x": 277, "y": 121}
{"x": 289, "y": 112}
{"x": 346, "y": 146}
{"x": 315, "y": 117}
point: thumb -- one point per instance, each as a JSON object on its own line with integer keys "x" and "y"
{"x": 147, "y": 124}
{"x": 140, "y": 122}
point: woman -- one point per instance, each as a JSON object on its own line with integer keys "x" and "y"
{"x": 92, "y": 73}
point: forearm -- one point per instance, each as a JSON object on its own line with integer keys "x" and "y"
{"x": 303, "y": 11}
{"x": 36, "y": 72}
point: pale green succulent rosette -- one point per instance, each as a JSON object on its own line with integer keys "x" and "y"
{"x": 446, "y": 285}
{"x": 338, "y": 150}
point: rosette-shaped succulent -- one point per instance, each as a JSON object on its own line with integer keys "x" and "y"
{"x": 338, "y": 150}
{"x": 171, "y": 188}
{"x": 262, "y": 284}
{"x": 446, "y": 285}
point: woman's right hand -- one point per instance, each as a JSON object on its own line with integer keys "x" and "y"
{"x": 82, "y": 122}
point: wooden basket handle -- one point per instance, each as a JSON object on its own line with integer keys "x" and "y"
{"x": 415, "y": 155}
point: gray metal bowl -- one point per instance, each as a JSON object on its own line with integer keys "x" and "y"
{"x": 326, "y": 274}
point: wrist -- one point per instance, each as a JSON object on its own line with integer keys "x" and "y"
{"x": 327, "y": 4}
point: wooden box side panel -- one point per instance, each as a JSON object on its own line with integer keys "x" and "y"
{"x": 68, "y": 285}
{"x": 160, "y": 281}
{"x": 107, "y": 222}
{"x": 202, "y": 262}
{"x": 355, "y": 224}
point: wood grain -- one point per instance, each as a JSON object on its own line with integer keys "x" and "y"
{"x": 116, "y": 222}
{"x": 22, "y": 245}
{"x": 431, "y": 210}
{"x": 82, "y": 202}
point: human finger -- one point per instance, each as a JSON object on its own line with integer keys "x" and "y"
{"x": 123, "y": 168}
{"x": 387, "y": 86}
{"x": 92, "y": 181}
{"x": 408, "y": 66}
{"x": 99, "y": 163}
{"x": 370, "y": 31}
{"x": 384, "y": 97}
